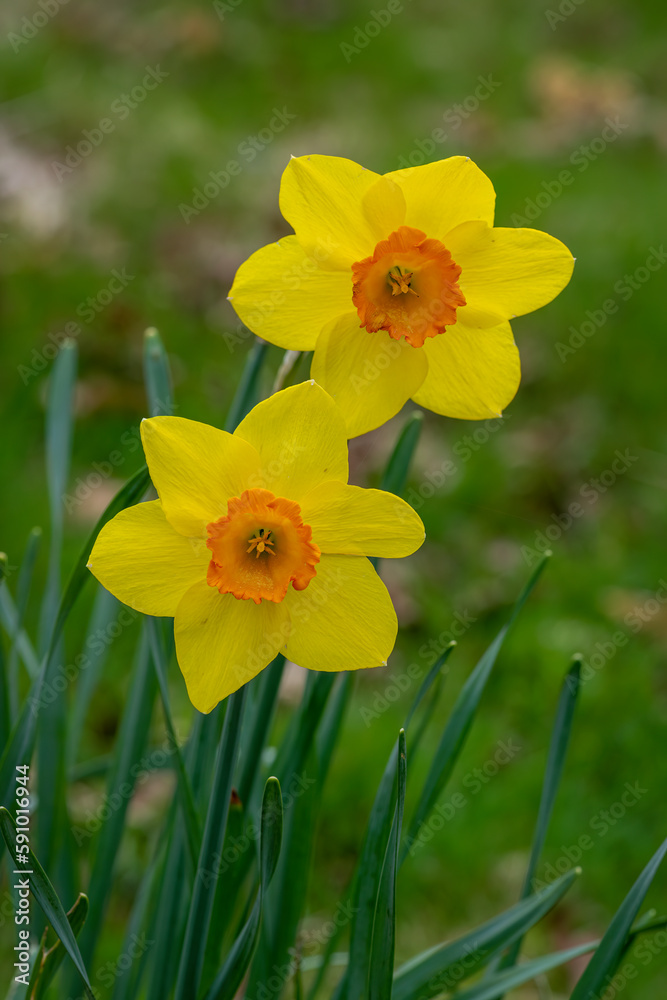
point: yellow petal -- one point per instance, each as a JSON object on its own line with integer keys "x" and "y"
{"x": 195, "y": 468}
{"x": 442, "y": 195}
{"x": 144, "y": 562}
{"x": 369, "y": 375}
{"x": 347, "y": 519}
{"x": 299, "y": 434}
{"x": 221, "y": 642}
{"x": 472, "y": 374}
{"x": 384, "y": 208}
{"x": 322, "y": 199}
{"x": 282, "y": 294}
{"x": 507, "y": 272}
{"x": 344, "y": 619}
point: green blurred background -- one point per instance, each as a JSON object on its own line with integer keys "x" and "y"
{"x": 528, "y": 90}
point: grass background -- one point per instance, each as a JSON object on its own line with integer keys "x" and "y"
{"x": 554, "y": 75}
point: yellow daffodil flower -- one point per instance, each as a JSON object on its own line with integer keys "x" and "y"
{"x": 400, "y": 285}
{"x": 258, "y": 545}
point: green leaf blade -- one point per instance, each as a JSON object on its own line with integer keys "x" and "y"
{"x": 611, "y": 949}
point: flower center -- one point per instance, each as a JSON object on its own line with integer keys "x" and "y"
{"x": 409, "y": 287}
{"x": 260, "y": 547}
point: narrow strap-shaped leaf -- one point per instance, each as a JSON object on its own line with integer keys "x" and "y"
{"x": 45, "y": 894}
{"x": 605, "y": 961}
{"x": 428, "y": 682}
{"x": 381, "y": 970}
{"x": 129, "y": 494}
{"x": 247, "y": 392}
{"x": 21, "y": 743}
{"x": 59, "y": 425}
{"x": 167, "y": 915}
{"x": 4, "y": 695}
{"x": 50, "y": 961}
{"x": 398, "y": 466}
{"x": 296, "y": 745}
{"x": 145, "y": 910}
{"x": 104, "y": 613}
{"x": 268, "y": 682}
{"x": 127, "y": 766}
{"x": 285, "y": 900}
{"x": 498, "y": 984}
{"x": 230, "y": 877}
{"x": 459, "y": 723}
{"x": 8, "y": 620}
{"x": 170, "y": 915}
{"x": 52, "y": 847}
{"x": 297, "y": 767}
{"x": 367, "y": 881}
{"x": 191, "y": 819}
{"x": 439, "y": 969}
{"x": 23, "y": 584}
{"x": 157, "y": 375}
{"x": 433, "y": 695}
{"x": 332, "y": 719}
{"x": 367, "y": 874}
{"x": 192, "y": 957}
{"x": 560, "y": 739}
{"x": 238, "y": 960}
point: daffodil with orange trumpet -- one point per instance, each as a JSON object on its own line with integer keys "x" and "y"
{"x": 401, "y": 286}
{"x": 258, "y": 545}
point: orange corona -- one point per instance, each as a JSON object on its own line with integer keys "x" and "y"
{"x": 408, "y": 287}
{"x": 260, "y": 547}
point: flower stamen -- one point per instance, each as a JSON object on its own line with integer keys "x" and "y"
{"x": 408, "y": 287}
{"x": 232, "y": 539}
{"x": 259, "y": 543}
{"x": 399, "y": 282}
